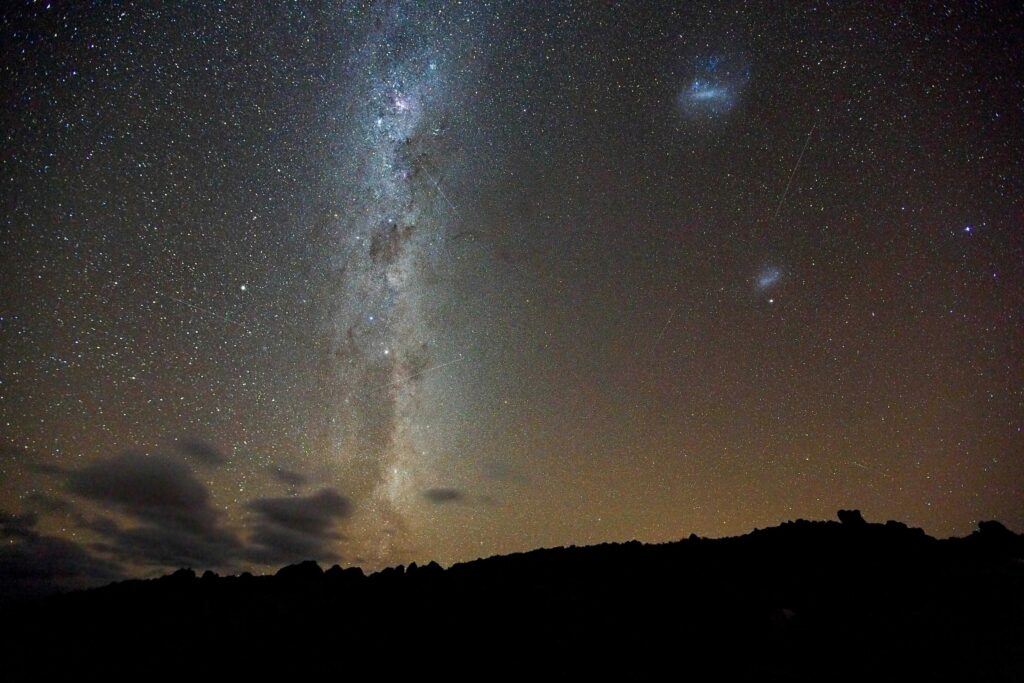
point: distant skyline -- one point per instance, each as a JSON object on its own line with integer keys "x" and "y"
{"x": 382, "y": 282}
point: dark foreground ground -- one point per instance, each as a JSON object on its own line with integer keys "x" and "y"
{"x": 805, "y": 600}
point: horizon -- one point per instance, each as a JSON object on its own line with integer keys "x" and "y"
{"x": 856, "y": 520}
{"x": 198, "y": 572}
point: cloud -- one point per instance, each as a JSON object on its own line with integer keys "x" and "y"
{"x": 149, "y": 487}
{"x": 44, "y": 560}
{"x": 42, "y": 502}
{"x": 202, "y": 452}
{"x": 308, "y": 514}
{"x": 34, "y": 564}
{"x": 18, "y": 526}
{"x": 288, "y": 477}
{"x": 495, "y": 470}
{"x": 289, "y": 529}
{"x": 28, "y": 460}
{"x": 46, "y": 469}
{"x": 153, "y": 511}
{"x": 175, "y": 523}
{"x": 440, "y": 496}
{"x": 167, "y": 545}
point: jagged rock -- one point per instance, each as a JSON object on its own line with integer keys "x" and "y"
{"x": 851, "y": 517}
{"x": 391, "y": 572}
{"x": 337, "y": 574}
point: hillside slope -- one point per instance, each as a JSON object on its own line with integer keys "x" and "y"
{"x": 805, "y": 599}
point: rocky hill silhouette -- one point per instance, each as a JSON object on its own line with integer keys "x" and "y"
{"x": 804, "y": 600}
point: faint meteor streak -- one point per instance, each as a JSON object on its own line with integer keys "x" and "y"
{"x": 441, "y": 192}
{"x": 871, "y": 469}
{"x": 664, "y": 327}
{"x": 402, "y": 380}
{"x": 793, "y": 173}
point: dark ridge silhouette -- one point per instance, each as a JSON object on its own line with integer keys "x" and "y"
{"x": 800, "y": 601}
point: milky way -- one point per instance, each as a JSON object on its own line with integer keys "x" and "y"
{"x": 388, "y": 257}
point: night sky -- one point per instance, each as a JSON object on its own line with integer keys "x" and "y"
{"x": 375, "y": 283}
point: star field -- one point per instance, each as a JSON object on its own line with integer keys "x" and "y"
{"x": 383, "y": 282}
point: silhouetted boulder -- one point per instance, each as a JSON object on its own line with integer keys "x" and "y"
{"x": 209, "y": 575}
{"x": 995, "y": 539}
{"x": 994, "y": 529}
{"x": 337, "y": 574}
{"x": 900, "y": 532}
{"x": 851, "y": 517}
{"x": 307, "y": 571}
{"x": 183, "y": 575}
{"x": 424, "y": 573}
